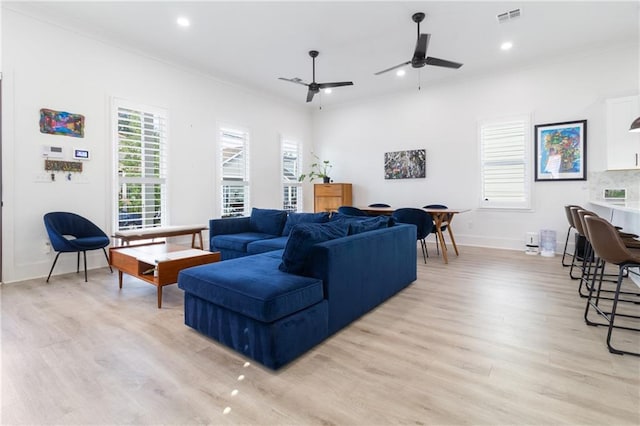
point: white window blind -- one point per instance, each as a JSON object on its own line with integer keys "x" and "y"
{"x": 504, "y": 164}
{"x": 235, "y": 172}
{"x": 291, "y": 165}
{"x": 141, "y": 143}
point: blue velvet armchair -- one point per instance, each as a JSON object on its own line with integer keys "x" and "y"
{"x": 71, "y": 233}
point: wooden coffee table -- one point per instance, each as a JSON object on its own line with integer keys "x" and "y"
{"x": 157, "y": 263}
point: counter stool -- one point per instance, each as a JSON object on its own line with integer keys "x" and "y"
{"x": 567, "y": 212}
{"x": 609, "y": 246}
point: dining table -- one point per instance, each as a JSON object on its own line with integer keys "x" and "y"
{"x": 441, "y": 217}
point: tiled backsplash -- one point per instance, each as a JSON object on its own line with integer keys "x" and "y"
{"x": 629, "y": 179}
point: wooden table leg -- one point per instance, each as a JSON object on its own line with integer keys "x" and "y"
{"x": 119, "y": 278}
{"x": 438, "y": 219}
{"x": 159, "y": 296}
{"x": 453, "y": 240}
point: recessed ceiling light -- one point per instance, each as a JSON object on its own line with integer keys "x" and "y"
{"x": 327, "y": 91}
{"x": 400, "y": 73}
{"x": 183, "y": 22}
{"x": 506, "y": 45}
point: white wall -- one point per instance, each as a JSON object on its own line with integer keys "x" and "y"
{"x": 443, "y": 120}
{"x": 49, "y": 67}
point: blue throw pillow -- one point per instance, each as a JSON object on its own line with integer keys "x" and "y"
{"x": 302, "y": 237}
{"x": 267, "y": 221}
{"x": 356, "y": 227}
{"x": 296, "y": 218}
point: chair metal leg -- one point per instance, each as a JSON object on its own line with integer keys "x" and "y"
{"x": 423, "y": 244}
{"x": 108, "y": 261}
{"x": 84, "y": 253}
{"x": 613, "y": 316}
{"x": 566, "y": 244}
{"x": 53, "y": 266}
{"x": 78, "y": 264}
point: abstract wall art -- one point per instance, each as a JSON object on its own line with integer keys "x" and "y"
{"x": 561, "y": 151}
{"x": 61, "y": 123}
{"x": 410, "y": 164}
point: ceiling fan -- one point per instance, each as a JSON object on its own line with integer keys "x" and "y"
{"x": 313, "y": 86}
{"x": 420, "y": 59}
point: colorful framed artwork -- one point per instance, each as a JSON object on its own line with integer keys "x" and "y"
{"x": 561, "y": 151}
{"x": 61, "y": 123}
{"x": 405, "y": 164}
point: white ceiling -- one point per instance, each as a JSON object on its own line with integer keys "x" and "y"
{"x": 254, "y": 43}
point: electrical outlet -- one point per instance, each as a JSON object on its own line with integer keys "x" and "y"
{"x": 46, "y": 249}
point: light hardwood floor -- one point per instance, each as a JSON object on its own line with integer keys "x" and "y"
{"x": 494, "y": 337}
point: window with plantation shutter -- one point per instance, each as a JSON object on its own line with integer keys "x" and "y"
{"x": 291, "y": 164}
{"x": 141, "y": 145}
{"x": 234, "y": 170}
{"x": 504, "y": 164}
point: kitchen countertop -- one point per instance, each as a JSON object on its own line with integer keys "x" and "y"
{"x": 625, "y": 206}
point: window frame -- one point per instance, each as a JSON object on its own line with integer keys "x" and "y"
{"x": 500, "y": 204}
{"x": 118, "y": 180}
{"x": 295, "y": 183}
{"x": 245, "y": 181}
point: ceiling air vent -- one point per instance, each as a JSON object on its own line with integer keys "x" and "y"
{"x": 507, "y": 16}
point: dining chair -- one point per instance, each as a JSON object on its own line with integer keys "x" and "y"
{"x": 609, "y": 246}
{"x": 351, "y": 211}
{"x": 72, "y": 233}
{"x": 442, "y": 227}
{"x": 421, "y": 219}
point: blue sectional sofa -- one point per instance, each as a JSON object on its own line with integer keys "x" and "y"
{"x": 275, "y": 305}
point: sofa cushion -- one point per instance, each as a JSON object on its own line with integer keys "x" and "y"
{"x": 263, "y": 246}
{"x": 358, "y": 226}
{"x": 303, "y": 236}
{"x": 296, "y": 218}
{"x": 237, "y": 242}
{"x": 267, "y": 221}
{"x": 252, "y": 286}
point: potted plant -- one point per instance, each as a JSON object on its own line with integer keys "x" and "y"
{"x": 319, "y": 169}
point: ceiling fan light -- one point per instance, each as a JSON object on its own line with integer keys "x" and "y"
{"x": 635, "y": 126}
{"x": 327, "y": 91}
{"x": 400, "y": 73}
{"x": 507, "y": 45}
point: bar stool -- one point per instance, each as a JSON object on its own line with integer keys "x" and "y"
{"x": 609, "y": 246}
{"x": 579, "y": 252}
{"x": 567, "y": 212}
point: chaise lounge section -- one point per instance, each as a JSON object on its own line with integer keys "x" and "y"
{"x": 274, "y": 306}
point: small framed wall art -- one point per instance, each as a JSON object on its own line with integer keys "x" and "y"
{"x": 61, "y": 123}
{"x": 561, "y": 151}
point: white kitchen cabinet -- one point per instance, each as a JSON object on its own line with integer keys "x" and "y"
{"x": 623, "y": 147}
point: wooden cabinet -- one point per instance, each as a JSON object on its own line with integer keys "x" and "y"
{"x": 623, "y": 147}
{"x": 330, "y": 196}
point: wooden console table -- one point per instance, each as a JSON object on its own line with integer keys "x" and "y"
{"x": 162, "y": 232}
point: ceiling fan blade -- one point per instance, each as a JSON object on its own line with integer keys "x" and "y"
{"x": 421, "y": 46}
{"x": 336, "y": 84}
{"x": 442, "y": 63}
{"x": 392, "y": 68}
{"x": 293, "y": 80}
{"x": 310, "y": 94}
